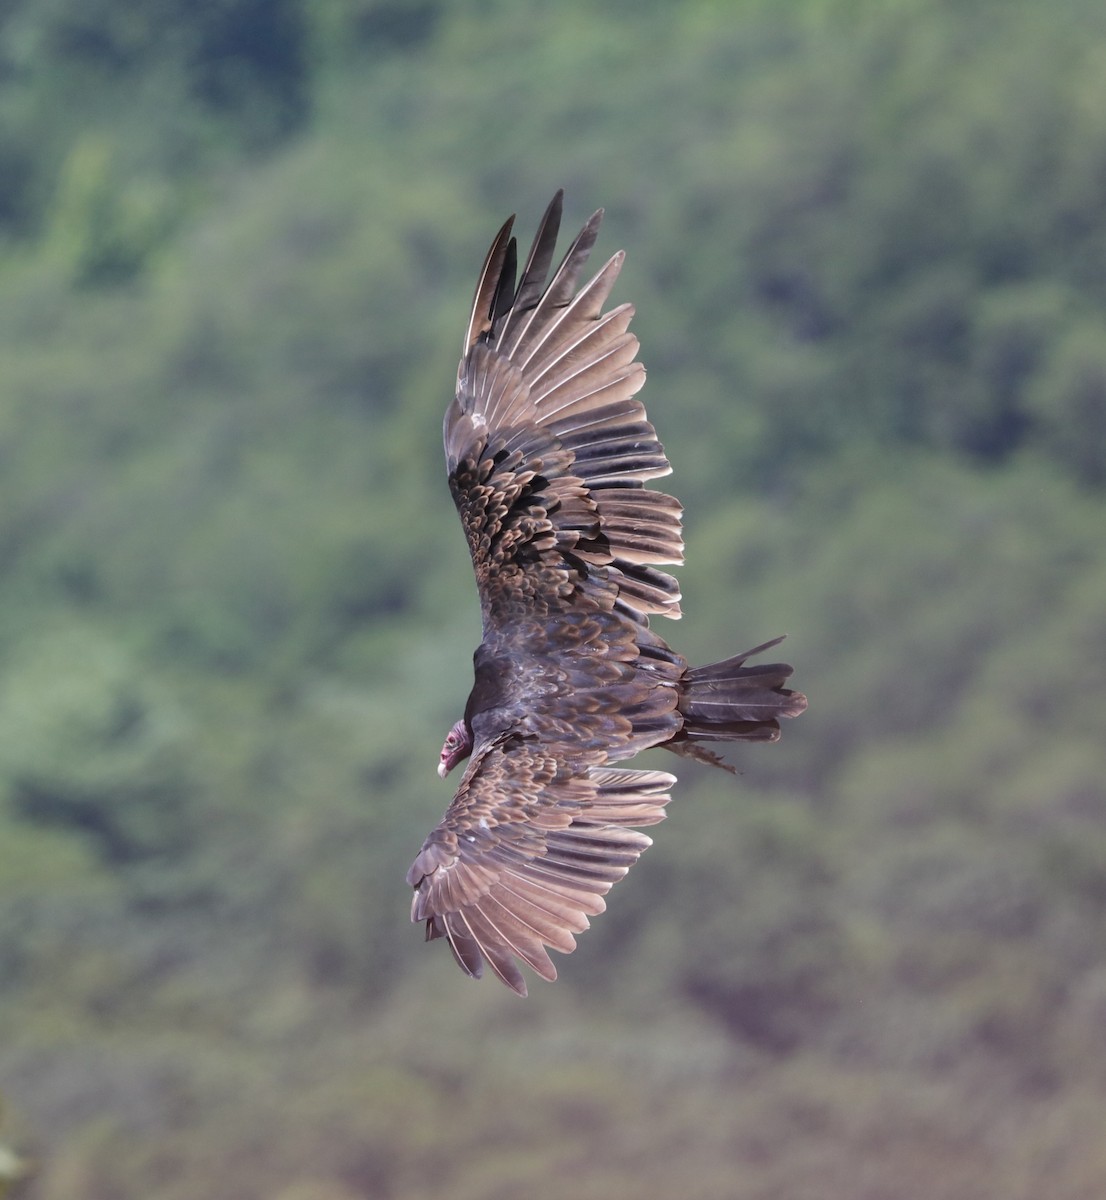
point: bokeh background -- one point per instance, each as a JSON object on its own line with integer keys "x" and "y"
{"x": 867, "y": 246}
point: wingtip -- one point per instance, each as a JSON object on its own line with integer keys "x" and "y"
{"x": 488, "y": 284}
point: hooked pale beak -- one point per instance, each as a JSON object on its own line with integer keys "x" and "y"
{"x": 443, "y": 770}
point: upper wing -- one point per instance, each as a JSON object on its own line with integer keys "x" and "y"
{"x": 534, "y": 838}
{"x": 548, "y": 449}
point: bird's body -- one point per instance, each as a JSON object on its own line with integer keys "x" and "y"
{"x": 548, "y": 452}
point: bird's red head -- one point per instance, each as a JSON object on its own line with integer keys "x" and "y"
{"x": 458, "y": 745}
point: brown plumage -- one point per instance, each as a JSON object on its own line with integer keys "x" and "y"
{"x": 548, "y": 451}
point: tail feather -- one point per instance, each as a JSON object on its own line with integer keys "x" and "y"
{"x": 729, "y": 701}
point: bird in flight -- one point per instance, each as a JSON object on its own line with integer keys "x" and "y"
{"x": 548, "y": 451}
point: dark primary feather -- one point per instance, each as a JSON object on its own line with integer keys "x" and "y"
{"x": 548, "y": 451}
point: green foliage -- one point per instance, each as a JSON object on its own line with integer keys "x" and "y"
{"x": 175, "y": 85}
{"x": 103, "y": 231}
{"x": 865, "y": 250}
{"x": 88, "y": 743}
{"x": 1069, "y": 399}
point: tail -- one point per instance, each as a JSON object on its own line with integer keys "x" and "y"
{"x": 728, "y": 701}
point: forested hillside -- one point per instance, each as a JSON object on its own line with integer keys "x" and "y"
{"x": 867, "y": 247}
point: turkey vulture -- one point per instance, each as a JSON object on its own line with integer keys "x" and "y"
{"x": 548, "y": 452}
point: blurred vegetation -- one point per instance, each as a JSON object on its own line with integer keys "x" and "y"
{"x": 867, "y": 248}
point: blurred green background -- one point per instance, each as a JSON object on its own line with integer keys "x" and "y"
{"x": 867, "y": 246}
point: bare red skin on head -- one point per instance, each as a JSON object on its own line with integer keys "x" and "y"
{"x": 458, "y": 745}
